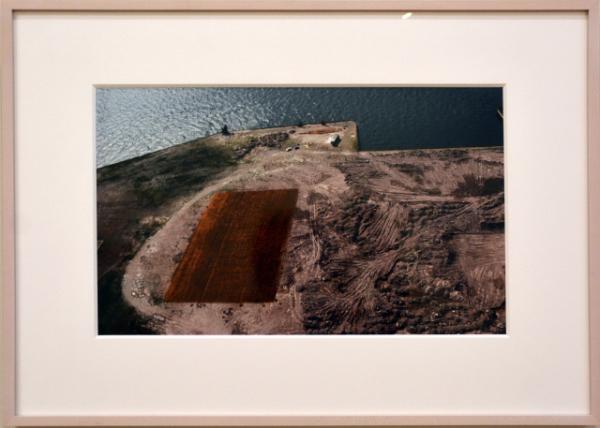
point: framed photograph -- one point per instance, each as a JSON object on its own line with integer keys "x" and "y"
{"x": 301, "y": 212}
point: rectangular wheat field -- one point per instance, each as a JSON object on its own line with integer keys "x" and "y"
{"x": 235, "y": 252}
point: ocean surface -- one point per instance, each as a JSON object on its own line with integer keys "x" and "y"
{"x": 133, "y": 121}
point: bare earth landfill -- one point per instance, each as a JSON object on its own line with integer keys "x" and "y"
{"x": 293, "y": 230}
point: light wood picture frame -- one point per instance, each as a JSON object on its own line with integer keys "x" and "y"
{"x": 9, "y": 379}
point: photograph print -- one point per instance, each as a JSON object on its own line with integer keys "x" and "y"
{"x": 300, "y": 210}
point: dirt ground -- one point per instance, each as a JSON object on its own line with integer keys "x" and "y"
{"x": 398, "y": 242}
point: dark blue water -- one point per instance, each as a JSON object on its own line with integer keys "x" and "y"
{"x": 134, "y": 121}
